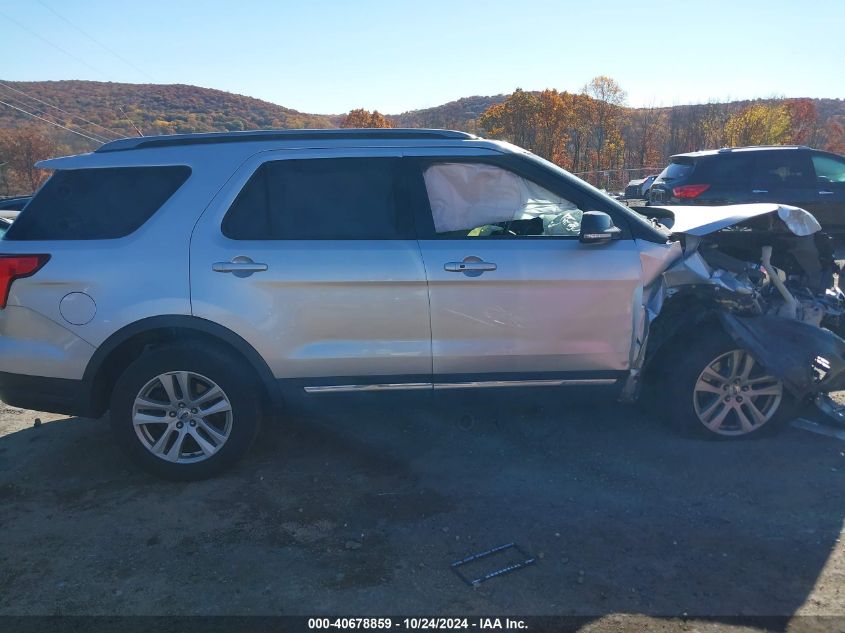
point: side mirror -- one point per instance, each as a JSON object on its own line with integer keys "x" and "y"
{"x": 597, "y": 228}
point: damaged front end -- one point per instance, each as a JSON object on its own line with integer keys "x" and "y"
{"x": 766, "y": 272}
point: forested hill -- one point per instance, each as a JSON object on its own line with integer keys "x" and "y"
{"x": 153, "y": 108}
{"x": 463, "y": 114}
{"x": 591, "y": 133}
{"x": 455, "y": 115}
{"x": 179, "y": 108}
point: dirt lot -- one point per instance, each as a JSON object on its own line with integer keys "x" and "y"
{"x": 359, "y": 508}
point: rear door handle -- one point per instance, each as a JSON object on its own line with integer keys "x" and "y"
{"x": 759, "y": 191}
{"x": 240, "y": 266}
{"x": 825, "y": 193}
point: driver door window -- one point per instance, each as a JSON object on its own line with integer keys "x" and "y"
{"x": 477, "y": 200}
{"x": 829, "y": 169}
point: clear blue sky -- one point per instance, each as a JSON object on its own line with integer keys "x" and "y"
{"x": 328, "y": 56}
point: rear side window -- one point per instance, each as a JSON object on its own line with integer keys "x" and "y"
{"x": 678, "y": 168}
{"x": 725, "y": 169}
{"x": 318, "y": 199}
{"x": 96, "y": 204}
{"x": 782, "y": 167}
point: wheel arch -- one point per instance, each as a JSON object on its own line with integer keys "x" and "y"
{"x": 117, "y": 351}
{"x": 684, "y": 314}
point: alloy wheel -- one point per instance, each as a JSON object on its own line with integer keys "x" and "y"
{"x": 182, "y": 417}
{"x": 734, "y": 395}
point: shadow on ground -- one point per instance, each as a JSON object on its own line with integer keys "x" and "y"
{"x": 358, "y": 507}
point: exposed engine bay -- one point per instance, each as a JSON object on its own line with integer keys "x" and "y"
{"x": 767, "y": 272}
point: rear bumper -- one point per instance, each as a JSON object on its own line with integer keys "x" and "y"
{"x": 54, "y": 395}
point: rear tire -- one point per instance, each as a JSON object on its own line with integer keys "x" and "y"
{"x": 715, "y": 390}
{"x": 183, "y": 413}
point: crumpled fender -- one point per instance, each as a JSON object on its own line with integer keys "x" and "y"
{"x": 808, "y": 359}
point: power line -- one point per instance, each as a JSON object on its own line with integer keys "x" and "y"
{"x": 95, "y": 40}
{"x": 90, "y": 138}
{"x": 128, "y": 118}
{"x": 56, "y": 46}
{"x": 75, "y": 116}
{"x": 42, "y": 113}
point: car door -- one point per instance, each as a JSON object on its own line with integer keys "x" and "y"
{"x": 314, "y": 262}
{"x": 829, "y": 206}
{"x": 783, "y": 176}
{"x": 515, "y": 297}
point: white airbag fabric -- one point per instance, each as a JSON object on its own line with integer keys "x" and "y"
{"x": 799, "y": 221}
{"x": 465, "y": 196}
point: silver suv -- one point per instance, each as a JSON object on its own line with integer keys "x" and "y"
{"x": 190, "y": 284}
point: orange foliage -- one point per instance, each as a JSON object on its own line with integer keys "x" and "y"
{"x": 20, "y": 149}
{"x": 579, "y": 132}
{"x": 362, "y": 118}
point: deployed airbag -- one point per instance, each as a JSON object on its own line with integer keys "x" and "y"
{"x": 799, "y": 221}
{"x": 465, "y": 196}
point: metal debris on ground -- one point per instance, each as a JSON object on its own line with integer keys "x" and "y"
{"x": 527, "y": 560}
{"x": 819, "y": 429}
{"x": 833, "y": 408}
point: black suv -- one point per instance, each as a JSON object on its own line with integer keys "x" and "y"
{"x": 800, "y": 176}
{"x": 13, "y": 204}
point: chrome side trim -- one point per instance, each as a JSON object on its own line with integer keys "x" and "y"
{"x": 393, "y": 386}
{"x": 485, "y": 384}
{"x": 524, "y": 383}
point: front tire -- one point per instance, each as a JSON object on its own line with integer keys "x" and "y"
{"x": 717, "y": 390}
{"x": 183, "y": 413}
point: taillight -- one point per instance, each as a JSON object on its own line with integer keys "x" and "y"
{"x": 689, "y": 191}
{"x": 16, "y": 267}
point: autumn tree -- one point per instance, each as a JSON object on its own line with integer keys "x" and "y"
{"x": 606, "y": 116}
{"x": 581, "y": 132}
{"x": 362, "y": 118}
{"x": 835, "y": 141}
{"x": 644, "y": 137}
{"x": 20, "y": 149}
{"x": 759, "y": 124}
{"x": 515, "y": 119}
{"x": 804, "y": 128}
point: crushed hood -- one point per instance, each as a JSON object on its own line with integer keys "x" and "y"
{"x": 701, "y": 220}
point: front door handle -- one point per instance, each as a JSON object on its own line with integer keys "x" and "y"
{"x": 471, "y": 266}
{"x": 759, "y": 191}
{"x": 825, "y": 193}
{"x": 240, "y": 266}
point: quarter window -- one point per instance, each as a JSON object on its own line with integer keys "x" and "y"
{"x": 96, "y": 204}
{"x": 318, "y": 199}
{"x": 476, "y": 200}
{"x": 726, "y": 169}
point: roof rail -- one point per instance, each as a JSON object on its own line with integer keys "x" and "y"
{"x": 730, "y": 149}
{"x": 280, "y": 135}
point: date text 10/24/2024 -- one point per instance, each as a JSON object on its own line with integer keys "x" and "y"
{"x": 418, "y": 623}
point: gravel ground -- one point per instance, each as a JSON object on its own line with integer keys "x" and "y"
{"x": 358, "y": 507}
